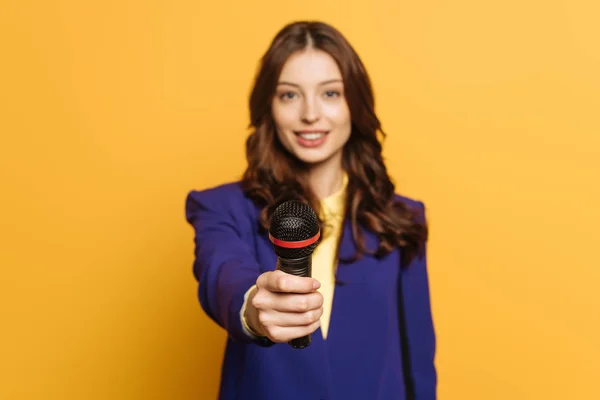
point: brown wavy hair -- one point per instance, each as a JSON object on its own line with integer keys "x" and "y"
{"x": 273, "y": 175}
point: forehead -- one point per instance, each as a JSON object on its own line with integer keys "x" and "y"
{"x": 310, "y": 66}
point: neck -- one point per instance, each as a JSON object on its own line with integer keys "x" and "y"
{"x": 326, "y": 178}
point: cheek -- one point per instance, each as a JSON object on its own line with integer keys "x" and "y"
{"x": 283, "y": 117}
{"x": 340, "y": 116}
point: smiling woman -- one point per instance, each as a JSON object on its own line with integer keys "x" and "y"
{"x": 315, "y": 140}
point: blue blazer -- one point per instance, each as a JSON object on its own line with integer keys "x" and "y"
{"x": 381, "y": 341}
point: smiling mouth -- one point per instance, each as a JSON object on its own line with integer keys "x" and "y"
{"x": 311, "y": 135}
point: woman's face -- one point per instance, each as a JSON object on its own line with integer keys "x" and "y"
{"x": 311, "y": 115}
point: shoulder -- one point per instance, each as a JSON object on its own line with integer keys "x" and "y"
{"x": 411, "y": 203}
{"x": 416, "y": 206}
{"x": 408, "y": 201}
{"x": 226, "y": 197}
{"x": 229, "y": 190}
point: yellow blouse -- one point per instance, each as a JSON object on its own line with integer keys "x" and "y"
{"x": 325, "y": 256}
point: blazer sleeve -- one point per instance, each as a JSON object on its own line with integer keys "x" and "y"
{"x": 418, "y": 326}
{"x": 224, "y": 264}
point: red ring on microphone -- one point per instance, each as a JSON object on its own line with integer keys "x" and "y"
{"x": 294, "y": 245}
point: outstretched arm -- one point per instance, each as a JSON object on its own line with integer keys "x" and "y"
{"x": 224, "y": 265}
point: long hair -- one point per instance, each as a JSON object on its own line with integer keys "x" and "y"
{"x": 273, "y": 175}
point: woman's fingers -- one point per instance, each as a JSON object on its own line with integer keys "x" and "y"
{"x": 281, "y": 282}
{"x": 281, "y": 334}
{"x": 288, "y": 320}
{"x": 286, "y": 306}
{"x": 293, "y": 303}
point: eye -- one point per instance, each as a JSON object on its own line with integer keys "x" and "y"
{"x": 287, "y": 95}
{"x": 332, "y": 93}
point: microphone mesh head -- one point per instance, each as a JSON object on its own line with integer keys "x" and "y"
{"x": 294, "y": 221}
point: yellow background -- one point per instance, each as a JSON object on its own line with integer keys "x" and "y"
{"x": 112, "y": 111}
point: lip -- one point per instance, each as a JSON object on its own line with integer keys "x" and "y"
{"x": 311, "y": 143}
{"x": 311, "y": 131}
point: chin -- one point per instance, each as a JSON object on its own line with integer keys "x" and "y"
{"x": 312, "y": 157}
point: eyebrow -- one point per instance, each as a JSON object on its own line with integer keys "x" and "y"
{"x": 320, "y": 83}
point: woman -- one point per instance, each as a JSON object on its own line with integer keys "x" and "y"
{"x": 315, "y": 140}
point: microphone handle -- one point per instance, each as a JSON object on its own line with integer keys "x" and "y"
{"x": 298, "y": 267}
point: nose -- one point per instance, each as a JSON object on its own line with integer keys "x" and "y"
{"x": 311, "y": 111}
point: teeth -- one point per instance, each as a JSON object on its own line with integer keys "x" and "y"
{"x": 312, "y": 136}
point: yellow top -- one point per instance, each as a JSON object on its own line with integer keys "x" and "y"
{"x": 324, "y": 259}
{"x": 325, "y": 256}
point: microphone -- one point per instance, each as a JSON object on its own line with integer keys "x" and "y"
{"x": 295, "y": 232}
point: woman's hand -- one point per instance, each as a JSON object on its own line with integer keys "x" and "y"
{"x": 283, "y": 306}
